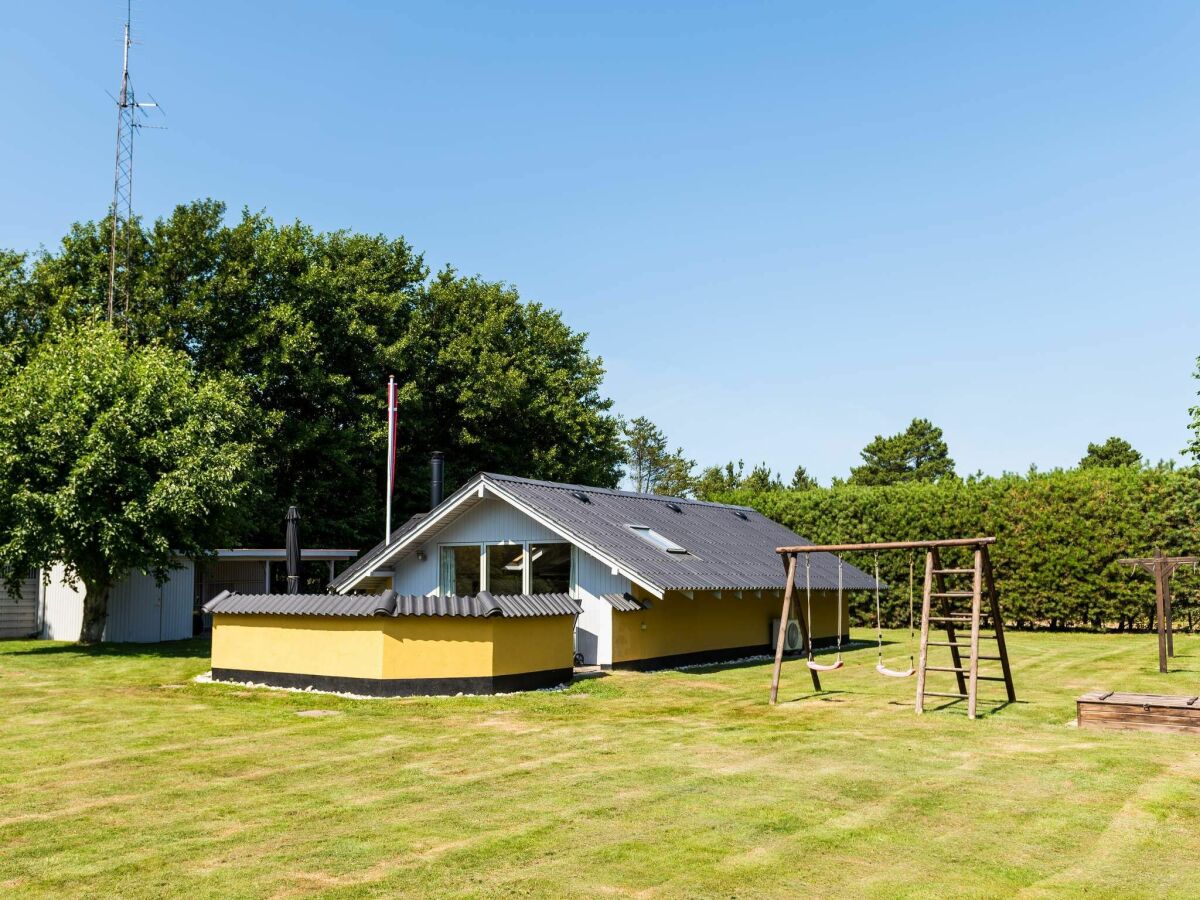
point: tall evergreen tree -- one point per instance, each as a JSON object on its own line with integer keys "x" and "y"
{"x": 1112, "y": 454}
{"x": 651, "y": 467}
{"x": 919, "y": 453}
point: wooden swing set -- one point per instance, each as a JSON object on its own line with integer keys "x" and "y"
{"x": 948, "y": 613}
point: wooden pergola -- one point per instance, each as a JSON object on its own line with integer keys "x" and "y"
{"x": 1162, "y": 567}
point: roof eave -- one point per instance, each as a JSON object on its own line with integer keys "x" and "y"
{"x": 389, "y": 553}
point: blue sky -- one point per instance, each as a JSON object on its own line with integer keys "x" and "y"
{"x": 787, "y": 227}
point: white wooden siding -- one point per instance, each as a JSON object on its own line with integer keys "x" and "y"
{"x": 19, "y": 615}
{"x": 62, "y": 614}
{"x": 593, "y": 629}
{"x": 139, "y": 611}
{"x": 491, "y": 521}
{"x": 494, "y": 521}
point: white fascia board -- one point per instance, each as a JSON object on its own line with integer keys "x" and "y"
{"x": 466, "y": 493}
{"x": 613, "y": 564}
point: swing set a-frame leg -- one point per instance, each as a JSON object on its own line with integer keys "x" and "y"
{"x": 789, "y": 565}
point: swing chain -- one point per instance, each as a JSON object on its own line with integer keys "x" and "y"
{"x": 808, "y": 601}
{"x": 878, "y": 615}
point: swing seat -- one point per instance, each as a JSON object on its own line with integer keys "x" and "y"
{"x": 893, "y": 673}
{"x": 817, "y": 667}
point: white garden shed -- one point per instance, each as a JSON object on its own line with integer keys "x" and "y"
{"x": 142, "y": 611}
{"x": 139, "y": 610}
{"x": 20, "y": 614}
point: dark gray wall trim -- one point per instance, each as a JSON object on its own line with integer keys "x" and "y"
{"x": 400, "y": 687}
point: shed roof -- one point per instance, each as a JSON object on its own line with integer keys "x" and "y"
{"x": 389, "y": 603}
{"x": 727, "y": 547}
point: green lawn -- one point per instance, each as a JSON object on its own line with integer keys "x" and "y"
{"x": 119, "y": 776}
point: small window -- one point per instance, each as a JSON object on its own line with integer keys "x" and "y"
{"x": 460, "y": 570}
{"x": 506, "y": 568}
{"x": 653, "y": 537}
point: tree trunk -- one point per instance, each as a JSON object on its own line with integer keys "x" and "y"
{"x": 95, "y": 609}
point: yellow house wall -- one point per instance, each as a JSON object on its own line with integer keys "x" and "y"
{"x": 385, "y": 648}
{"x": 307, "y": 645}
{"x": 678, "y": 624}
{"x": 824, "y": 612}
{"x": 533, "y": 644}
{"x": 436, "y": 647}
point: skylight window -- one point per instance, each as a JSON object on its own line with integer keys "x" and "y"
{"x": 650, "y": 536}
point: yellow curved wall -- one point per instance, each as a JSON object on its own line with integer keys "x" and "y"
{"x": 308, "y": 645}
{"x": 392, "y": 648}
{"x": 533, "y": 644}
{"x": 436, "y": 647}
{"x": 678, "y": 624}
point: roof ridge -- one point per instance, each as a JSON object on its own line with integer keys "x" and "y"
{"x": 615, "y": 492}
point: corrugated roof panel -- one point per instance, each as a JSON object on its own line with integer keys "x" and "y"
{"x": 389, "y": 604}
{"x": 524, "y": 605}
{"x": 625, "y": 602}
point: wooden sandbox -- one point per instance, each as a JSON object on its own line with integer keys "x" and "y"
{"x": 1139, "y": 712}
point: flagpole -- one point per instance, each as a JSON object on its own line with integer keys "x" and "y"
{"x": 391, "y": 458}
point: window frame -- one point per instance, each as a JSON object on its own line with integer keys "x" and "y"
{"x": 485, "y": 580}
{"x": 441, "y": 571}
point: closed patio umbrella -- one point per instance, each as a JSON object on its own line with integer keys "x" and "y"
{"x": 293, "y": 550}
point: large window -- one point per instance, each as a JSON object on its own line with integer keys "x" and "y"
{"x": 550, "y": 568}
{"x": 506, "y": 568}
{"x": 460, "y": 570}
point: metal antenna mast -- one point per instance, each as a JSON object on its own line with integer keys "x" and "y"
{"x": 129, "y": 120}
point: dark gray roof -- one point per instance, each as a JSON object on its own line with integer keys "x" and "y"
{"x": 625, "y": 602}
{"x": 367, "y": 559}
{"x": 510, "y": 606}
{"x": 302, "y": 604}
{"x": 728, "y": 547}
{"x": 391, "y": 604}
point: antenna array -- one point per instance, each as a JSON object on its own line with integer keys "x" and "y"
{"x": 130, "y": 115}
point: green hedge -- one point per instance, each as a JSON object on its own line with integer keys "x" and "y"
{"x": 1059, "y": 535}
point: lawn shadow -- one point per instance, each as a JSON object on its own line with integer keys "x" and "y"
{"x": 984, "y": 708}
{"x": 730, "y": 665}
{"x": 192, "y": 647}
{"x": 825, "y": 696}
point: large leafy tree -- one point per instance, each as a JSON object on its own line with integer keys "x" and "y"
{"x": 919, "y": 453}
{"x": 1112, "y": 454}
{"x": 313, "y": 323}
{"x": 115, "y": 458}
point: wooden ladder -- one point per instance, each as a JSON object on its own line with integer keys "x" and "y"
{"x": 944, "y": 607}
